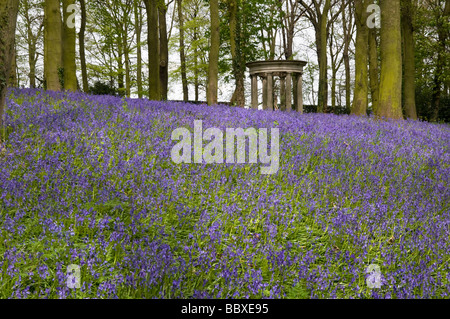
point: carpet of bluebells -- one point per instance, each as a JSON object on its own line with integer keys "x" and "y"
{"x": 88, "y": 180}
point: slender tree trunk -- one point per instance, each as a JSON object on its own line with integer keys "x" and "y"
{"x": 127, "y": 58}
{"x": 69, "y": 43}
{"x": 238, "y": 97}
{"x": 31, "y": 41}
{"x": 333, "y": 92}
{"x": 182, "y": 52}
{"x": 53, "y": 43}
{"x": 45, "y": 50}
{"x": 360, "y": 98}
{"x": 321, "y": 38}
{"x": 408, "y": 59}
{"x": 12, "y": 79}
{"x": 196, "y": 72}
{"x": 390, "y": 102}
{"x": 81, "y": 44}
{"x": 373, "y": 70}
{"x": 120, "y": 75}
{"x": 213, "y": 54}
{"x": 8, "y": 18}
{"x": 138, "y": 29}
{"x": 32, "y": 64}
{"x": 153, "y": 45}
{"x": 335, "y": 64}
{"x": 347, "y": 39}
{"x": 164, "y": 52}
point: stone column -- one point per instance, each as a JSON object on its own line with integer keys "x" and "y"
{"x": 299, "y": 93}
{"x": 289, "y": 92}
{"x": 282, "y": 92}
{"x": 270, "y": 91}
{"x": 264, "y": 92}
{"x": 254, "y": 91}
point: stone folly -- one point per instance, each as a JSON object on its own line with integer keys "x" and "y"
{"x": 289, "y": 74}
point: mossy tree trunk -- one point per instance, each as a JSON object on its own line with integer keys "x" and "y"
{"x": 238, "y": 97}
{"x": 153, "y": 48}
{"x": 347, "y": 23}
{"x": 409, "y": 77}
{"x": 53, "y": 44}
{"x": 390, "y": 101}
{"x": 69, "y": 42}
{"x": 374, "y": 70}
{"x": 360, "y": 97}
{"x": 213, "y": 71}
{"x": 8, "y": 18}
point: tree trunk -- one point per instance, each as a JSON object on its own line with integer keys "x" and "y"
{"x": 164, "y": 52}
{"x": 82, "y": 50}
{"x": 69, "y": 43}
{"x": 138, "y": 28}
{"x": 53, "y": 43}
{"x": 238, "y": 97}
{"x": 390, "y": 102}
{"x": 321, "y": 38}
{"x": 12, "y": 79}
{"x": 127, "y": 60}
{"x": 373, "y": 70}
{"x": 32, "y": 64}
{"x": 182, "y": 52}
{"x": 213, "y": 71}
{"x": 347, "y": 39}
{"x": 120, "y": 75}
{"x": 360, "y": 98}
{"x": 153, "y": 45}
{"x": 196, "y": 72}
{"x": 8, "y": 18}
{"x": 409, "y": 77}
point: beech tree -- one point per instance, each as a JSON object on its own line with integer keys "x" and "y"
{"x": 31, "y": 31}
{"x": 409, "y": 90}
{"x": 184, "y": 81}
{"x": 81, "y": 39}
{"x": 52, "y": 45}
{"x": 153, "y": 44}
{"x": 374, "y": 70}
{"x": 69, "y": 42}
{"x": 163, "y": 51}
{"x": 360, "y": 98}
{"x": 318, "y": 14}
{"x": 390, "y": 101}
{"x": 8, "y": 18}
{"x": 213, "y": 54}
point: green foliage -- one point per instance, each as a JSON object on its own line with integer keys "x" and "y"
{"x": 432, "y": 60}
{"x": 196, "y": 35}
{"x": 101, "y": 88}
{"x": 299, "y": 291}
